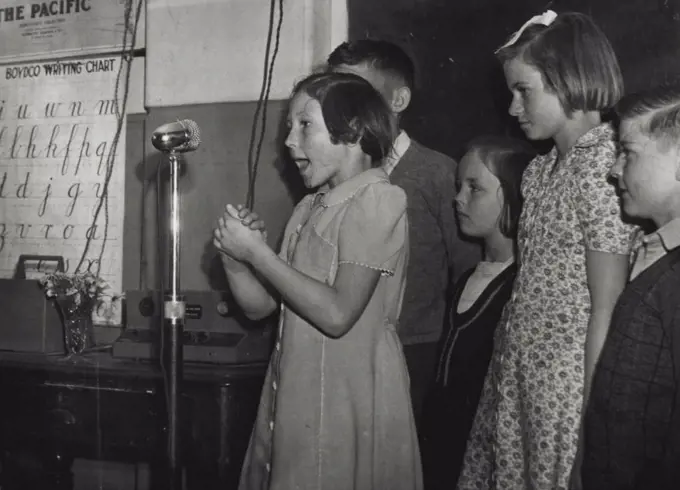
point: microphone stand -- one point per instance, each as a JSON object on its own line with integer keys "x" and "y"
{"x": 174, "y": 138}
{"x": 174, "y": 318}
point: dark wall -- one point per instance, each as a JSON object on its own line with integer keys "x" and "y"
{"x": 461, "y": 93}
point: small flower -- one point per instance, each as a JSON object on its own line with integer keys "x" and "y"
{"x": 83, "y": 288}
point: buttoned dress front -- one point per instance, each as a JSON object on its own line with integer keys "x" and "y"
{"x": 335, "y": 413}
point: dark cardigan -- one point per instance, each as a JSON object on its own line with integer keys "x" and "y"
{"x": 632, "y": 423}
{"x": 465, "y": 353}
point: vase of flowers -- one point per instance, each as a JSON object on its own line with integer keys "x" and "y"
{"x": 76, "y": 297}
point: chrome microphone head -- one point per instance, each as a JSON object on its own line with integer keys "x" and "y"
{"x": 180, "y": 136}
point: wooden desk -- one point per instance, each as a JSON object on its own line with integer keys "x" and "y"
{"x": 53, "y": 411}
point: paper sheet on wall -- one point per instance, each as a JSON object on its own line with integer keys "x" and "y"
{"x": 58, "y": 129}
{"x": 38, "y": 29}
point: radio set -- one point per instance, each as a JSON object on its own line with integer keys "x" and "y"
{"x": 214, "y": 331}
{"x": 30, "y": 322}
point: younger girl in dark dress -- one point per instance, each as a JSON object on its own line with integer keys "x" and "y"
{"x": 488, "y": 204}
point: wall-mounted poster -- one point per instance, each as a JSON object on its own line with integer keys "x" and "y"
{"x": 62, "y": 147}
{"x": 50, "y": 29}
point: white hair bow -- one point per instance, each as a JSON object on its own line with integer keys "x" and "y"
{"x": 546, "y": 18}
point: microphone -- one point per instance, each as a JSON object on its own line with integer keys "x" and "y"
{"x": 180, "y": 136}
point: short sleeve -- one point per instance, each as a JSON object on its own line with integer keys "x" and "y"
{"x": 373, "y": 232}
{"x": 598, "y": 205}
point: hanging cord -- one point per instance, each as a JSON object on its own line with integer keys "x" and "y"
{"x": 255, "y": 149}
{"x": 126, "y": 56}
{"x": 125, "y": 61}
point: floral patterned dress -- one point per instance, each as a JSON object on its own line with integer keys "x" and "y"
{"x": 525, "y": 433}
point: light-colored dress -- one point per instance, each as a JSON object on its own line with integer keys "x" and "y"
{"x": 335, "y": 414}
{"x": 525, "y": 432}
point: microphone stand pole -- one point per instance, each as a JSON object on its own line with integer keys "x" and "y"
{"x": 174, "y": 317}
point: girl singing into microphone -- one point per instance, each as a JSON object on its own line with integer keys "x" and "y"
{"x": 335, "y": 411}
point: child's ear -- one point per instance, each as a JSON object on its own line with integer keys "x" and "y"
{"x": 401, "y": 98}
{"x": 358, "y": 133}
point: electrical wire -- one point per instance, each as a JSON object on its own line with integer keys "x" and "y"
{"x": 254, "y": 148}
{"x": 103, "y": 200}
{"x": 258, "y": 107}
{"x": 125, "y": 62}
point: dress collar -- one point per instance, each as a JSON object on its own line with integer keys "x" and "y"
{"x": 599, "y": 134}
{"x": 345, "y": 190}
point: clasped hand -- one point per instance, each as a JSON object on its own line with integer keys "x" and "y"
{"x": 239, "y": 233}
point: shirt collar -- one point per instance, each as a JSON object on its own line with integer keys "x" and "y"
{"x": 345, "y": 190}
{"x": 399, "y": 147}
{"x": 668, "y": 235}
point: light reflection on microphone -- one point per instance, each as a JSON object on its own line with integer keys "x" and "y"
{"x": 180, "y": 136}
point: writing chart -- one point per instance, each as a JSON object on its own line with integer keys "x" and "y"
{"x": 59, "y": 124}
{"x": 48, "y": 29}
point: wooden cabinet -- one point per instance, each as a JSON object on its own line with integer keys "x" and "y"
{"x": 55, "y": 410}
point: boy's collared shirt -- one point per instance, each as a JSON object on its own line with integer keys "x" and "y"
{"x": 401, "y": 144}
{"x": 654, "y": 246}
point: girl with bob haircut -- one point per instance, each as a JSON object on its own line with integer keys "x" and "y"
{"x": 573, "y": 259}
{"x": 335, "y": 410}
{"x": 488, "y": 204}
{"x": 575, "y": 59}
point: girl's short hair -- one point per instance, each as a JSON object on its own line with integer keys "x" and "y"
{"x": 354, "y": 112}
{"x": 576, "y": 60}
{"x": 506, "y": 158}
